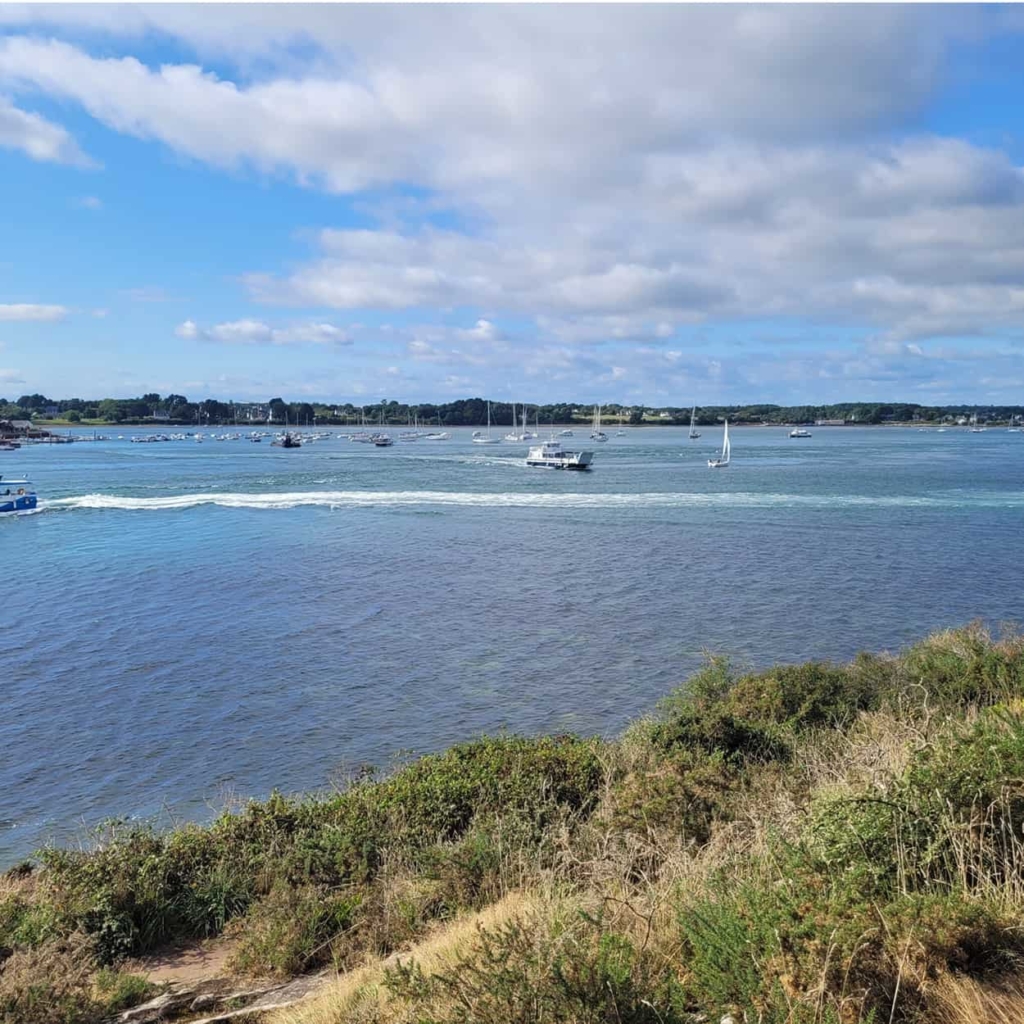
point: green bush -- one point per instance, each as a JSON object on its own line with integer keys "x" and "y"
{"x": 517, "y": 972}
{"x": 291, "y": 930}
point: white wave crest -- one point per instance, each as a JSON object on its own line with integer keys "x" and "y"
{"x": 398, "y": 499}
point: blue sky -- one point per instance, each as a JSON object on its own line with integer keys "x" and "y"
{"x": 665, "y": 204}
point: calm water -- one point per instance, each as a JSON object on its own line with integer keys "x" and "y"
{"x": 185, "y": 622}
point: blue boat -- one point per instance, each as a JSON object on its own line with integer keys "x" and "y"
{"x": 16, "y": 496}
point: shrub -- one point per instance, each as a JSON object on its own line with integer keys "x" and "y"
{"x": 291, "y": 930}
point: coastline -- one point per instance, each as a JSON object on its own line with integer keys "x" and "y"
{"x": 737, "y": 826}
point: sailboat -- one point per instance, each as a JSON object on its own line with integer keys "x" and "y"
{"x": 975, "y": 429}
{"x": 488, "y": 439}
{"x": 597, "y": 434}
{"x": 693, "y": 435}
{"x": 440, "y": 434}
{"x": 723, "y": 460}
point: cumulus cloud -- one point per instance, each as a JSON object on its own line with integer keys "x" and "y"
{"x": 29, "y": 311}
{"x": 38, "y": 138}
{"x": 609, "y": 179}
{"x": 256, "y": 332}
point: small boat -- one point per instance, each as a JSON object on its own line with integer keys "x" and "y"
{"x": 479, "y": 438}
{"x": 693, "y": 435}
{"x": 16, "y": 496}
{"x": 723, "y": 460}
{"x": 439, "y": 434}
{"x": 565, "y": 433}
{"x": 287, "y": 441}
{"x": 382, "y": 440}
{"x": 9, "y": 446}
{"x": 975, "y": 429}
{"x": 799, "y": 432}
{"x": 597, "y": 434}
{"x": 551, "y": 455}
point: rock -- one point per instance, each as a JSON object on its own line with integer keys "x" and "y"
{"x": 165, "y": 1005}
{"x": 276, "y": 998}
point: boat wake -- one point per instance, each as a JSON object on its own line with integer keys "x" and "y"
{"x": 408, "y": 499}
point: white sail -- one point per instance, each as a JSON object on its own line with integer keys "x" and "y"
{"x": 693, "y": 424}
{"x": 723, "y": 459}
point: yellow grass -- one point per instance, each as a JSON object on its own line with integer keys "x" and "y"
{"x": 961, "y": 1000}
{"x": 360, "y": 994}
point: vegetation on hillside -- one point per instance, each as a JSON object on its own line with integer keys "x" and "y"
{"x": 807, "y": 844}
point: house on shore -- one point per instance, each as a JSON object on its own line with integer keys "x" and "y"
{"x": 21, "y": 428}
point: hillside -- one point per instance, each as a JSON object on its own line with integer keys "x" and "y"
{"x": 812, "y": 843}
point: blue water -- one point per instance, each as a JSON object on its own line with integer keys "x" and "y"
{"x": 188, "y": 624}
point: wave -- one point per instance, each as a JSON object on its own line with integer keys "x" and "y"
{"x": 406, "y": 499}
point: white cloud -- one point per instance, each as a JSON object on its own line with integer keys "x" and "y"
{"x": 29, "y": 311}
{"x": 256, "y": 332}
{"x": 38, "y": 138}
{"x": 89, "y": 202}
{"x": 11, "y": 377}
{"x": 614, "y": 176}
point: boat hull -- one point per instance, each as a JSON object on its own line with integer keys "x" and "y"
{"x": 17, "y": 503}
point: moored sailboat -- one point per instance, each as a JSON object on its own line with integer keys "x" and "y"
{"x": 693, "y": 435}
{"x": 481, "y": 439}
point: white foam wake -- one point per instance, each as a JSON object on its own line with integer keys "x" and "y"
{"x": 397, "y": 499}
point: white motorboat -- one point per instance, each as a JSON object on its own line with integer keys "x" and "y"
{"x": 799, "y": 432}
{"x": 566, "y": 433}
{"x": 723, "y": 459}
{"x": 551, "y": 455}
{"x": 479, "y": 438}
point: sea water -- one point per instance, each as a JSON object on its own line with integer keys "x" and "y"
{"x": 185, "y": 625}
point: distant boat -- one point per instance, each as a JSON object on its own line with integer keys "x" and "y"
{"x": 799, "y": 432}
{"x": 975, "y": 429}
{"x": 597, "y": 434}
{"x": 723, "y": 460}
{"x": 693, "y": 435}
{"x": 439, "y": 434}
{"x": 551, "y": 455}
{"x": 16, "y": 496}
{"x": 479, "y": 438}
{"x": 287, "y": 441}
{"x": 566, "y": 433}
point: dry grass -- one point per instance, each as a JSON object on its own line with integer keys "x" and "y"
{"x": 962, "y": 1000}
{"x": 359, "y": 995}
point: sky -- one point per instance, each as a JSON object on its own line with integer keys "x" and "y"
{"x": 664, "y": 204}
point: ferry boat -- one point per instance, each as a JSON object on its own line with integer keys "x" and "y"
{"x": 16, "y": 496}
{"x": 551, "y": 455}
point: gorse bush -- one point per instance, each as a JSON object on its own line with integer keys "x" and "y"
{"x": 519, "y": 972}
{"x": 139, "y": 889}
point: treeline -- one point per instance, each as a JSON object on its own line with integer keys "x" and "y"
{"x": 472, "y": 412}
